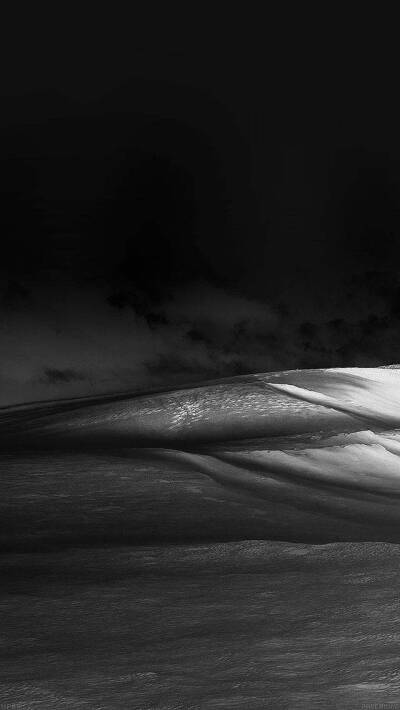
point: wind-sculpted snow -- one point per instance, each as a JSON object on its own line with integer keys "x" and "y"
{"x": 277, "y": 404}
{"x": 301, "y": 455}
{"x": 375, "y": 400}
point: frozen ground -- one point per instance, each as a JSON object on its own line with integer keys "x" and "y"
{"x": 237, "y": 625}
{"x": 160, "y": 551}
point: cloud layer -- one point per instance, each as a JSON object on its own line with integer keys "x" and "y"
{"x": 66, "y": 339}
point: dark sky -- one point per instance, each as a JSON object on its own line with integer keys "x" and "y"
{"x": 185, "y": 196}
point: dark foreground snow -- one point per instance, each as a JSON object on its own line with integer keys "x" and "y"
{"x": 233, "y": 625}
